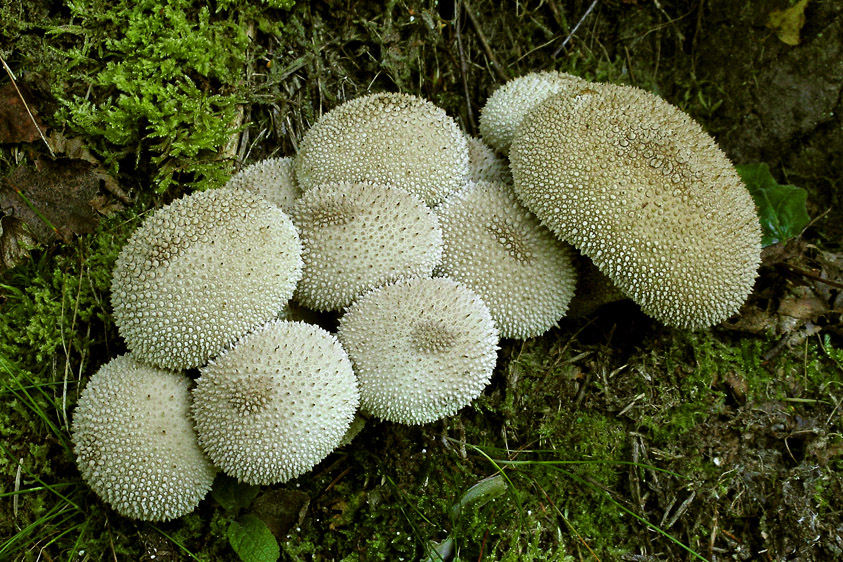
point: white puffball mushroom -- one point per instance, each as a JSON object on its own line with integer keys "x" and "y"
{"x": 271, "y": 178}
{"x": 201, "y": 272}
{"x": 499, "y": 249}
{"x": 387, "y": 138}
{"x": 276, "y": 404}
{"x": 485, "y": 165}
{"x": 135, "y": 443}
{"x": 358, "y": 236}
{"x": 637, "y": 186}
{"x": 508, "y": 105}
{"x": 421, "y": 348}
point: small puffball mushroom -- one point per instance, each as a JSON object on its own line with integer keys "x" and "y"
{"x": 135, "y": 444}
{"x": 509, "y": 104}
{"x": 271, "y": 178}
{"x": 421, "y": 348}
{"x": 499, "y": 249}
{"x": 276, "y": 404}
{"x": 485, "y": 165}
{"x": 201, "y": 272}
{"x": 636, "y": 185}
{"x": 358, "y": 236}
{"x": 387, "y": 138}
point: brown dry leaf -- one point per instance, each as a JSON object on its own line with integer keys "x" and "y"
{"x": 54, "y": 200}
{"x": 14, "y": 242}
{"x": 16, "y": 125}
{"x": 75, "y": 149}
{"x": 787, "y": 24}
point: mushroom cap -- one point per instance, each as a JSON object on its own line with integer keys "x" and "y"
{"x": 509, "y": 104}
{"x": 485, "y": 165}
{"x": 271, "y": 178}
{"x": 501, "y": 251}
{"x": 358, "y": 236}
{"x": 387, "y": 138}
{"x": 421, "y": 348}
{"x": 201, "y": 272}
{"x": 276, "y": 404}
{"x": 135, "y": 444}
{"x": 642, "y": 190}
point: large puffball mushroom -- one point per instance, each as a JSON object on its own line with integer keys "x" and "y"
{"x": 509, "y": 104}
{"x": 387, "y": 138}
{"x": 271, "y": 178}
{"x": 200, "y": 273}
{"x": 135, "y": 444}
{"x": 485, "y": 165}
{"x": 642, "y": 190}
{"x": 276, "y": 404}
{"x": 499, "y": 249}
{"x": 358, "y": 236}
{"x": 421, "y": 348}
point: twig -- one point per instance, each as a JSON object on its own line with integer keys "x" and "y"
{"x": 499, "y": 70}
{"x": 26, "y": 106}
{"x": 576, "y": 27}
{"x": 464, "y": 71}
{"x": 812, "y": 275}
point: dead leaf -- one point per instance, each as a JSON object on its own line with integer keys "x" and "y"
{"x": 54, "y": 200}
{"x": 15, "y": 242}
{"x": 787, "y": 23}
{"x": 16, "y": 124}
{"x": 75, "y": 148}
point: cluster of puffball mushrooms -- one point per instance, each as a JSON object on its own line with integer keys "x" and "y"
{"x": 429, "y": 244}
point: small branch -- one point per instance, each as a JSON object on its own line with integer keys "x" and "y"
{"x": 499, "y": 70}
{"x": 26, "y": 106}
{"x": 576, "y": 27}
{"x": 464, "y": 72}
{"x": 812, "y": 275}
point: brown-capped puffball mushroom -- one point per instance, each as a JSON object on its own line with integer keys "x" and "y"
{"x": 358, "y": 236}
{"x": 499, "y": 249}
{"x": 276, "y": 404}
{"x": 200, "y": 273}
{"x": 135, "y": 443}
{"x": 421, "y": 348}
{"x": 387, "y": 138}
{"x": 637, "y": 186}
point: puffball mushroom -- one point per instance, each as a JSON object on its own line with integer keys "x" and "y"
{"x": 135, "y": 444}
{"x": 201, "y": 272}
{"x": 421, "y": 348}
{"x": 387, "y": 138}
{"x": 276, "y": 404}
{"x": 358, "y": 236}
{"x": 271, "y": 178}
{"x": 642, "y": 190}
{"x": 509, "y": 104}
{"x": 485, "y": 165}
{"x": 497, "y": 248}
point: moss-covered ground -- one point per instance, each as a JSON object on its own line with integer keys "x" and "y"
{"x": 608, "y": 438}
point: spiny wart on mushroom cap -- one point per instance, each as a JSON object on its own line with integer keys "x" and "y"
{"x": 500, "y": 250}
{"x": 356, "y": 237}
{"x": 135, "y": 444}
{"x": 643, "y": 191}
{"x": 421, "y": 348}
{"x": 387, "y": 138}
{"x": 200, "y": 273}
{"x": 271, "y": 178}
{"x": 276, "y": 404}
{"x": 509, "y": 104}
{"x": 485, "y": 165}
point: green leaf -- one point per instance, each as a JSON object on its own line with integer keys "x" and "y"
{"x": 781, "y": 208}
{"x": 252, "y": 540}
{"x": 231, "y": 494}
